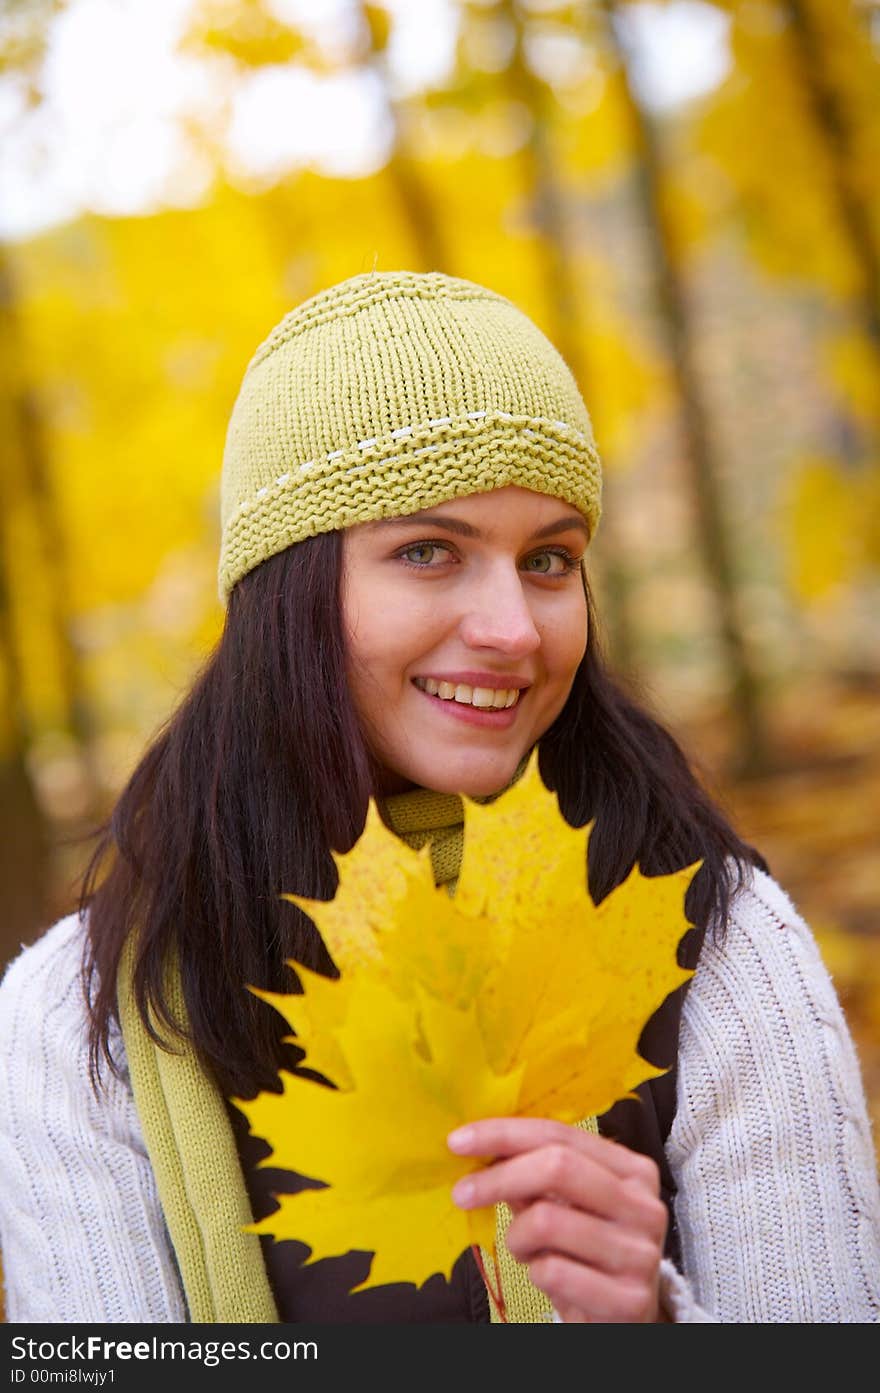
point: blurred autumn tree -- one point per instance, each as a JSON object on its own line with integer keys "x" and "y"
{"x": 709, "y": 268}
{"x": 796, "y": 129}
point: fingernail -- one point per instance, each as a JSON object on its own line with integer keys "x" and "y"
{"x": 460, "y": 1139}
{"x": 463, "y": 1191}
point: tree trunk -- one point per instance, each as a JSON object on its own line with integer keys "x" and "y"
{"x": 24, "y": 833}
{"x": 751, "y": 752}
{"x": 26, "y": 838}
{"x": 832, "y": 121}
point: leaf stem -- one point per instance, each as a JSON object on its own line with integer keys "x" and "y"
{"x": 495, "y": 1293}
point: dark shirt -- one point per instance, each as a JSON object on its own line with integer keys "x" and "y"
{"x": 320, "y": 1292}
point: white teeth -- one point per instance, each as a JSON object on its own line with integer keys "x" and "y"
{"x": 487, "y": 698}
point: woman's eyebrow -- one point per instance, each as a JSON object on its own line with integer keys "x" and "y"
{"x": 464, "y": 529}
{"x": 562, "y": 525}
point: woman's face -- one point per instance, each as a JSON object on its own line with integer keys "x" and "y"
{"x": 465, "y": 625}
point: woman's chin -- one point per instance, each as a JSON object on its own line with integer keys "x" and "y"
{"x": 470, "y": 773}
{"x": 474, "y": 783}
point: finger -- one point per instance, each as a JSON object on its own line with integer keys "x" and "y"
{"x": 546, "y": 1227}
{"x": 570, "y": 1315}
{"x": 570, "y": 1177}
{"x": 509, "y": 1136}
{"x": 582, "y": 1294}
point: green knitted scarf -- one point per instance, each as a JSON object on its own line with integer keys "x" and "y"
{"x": 192, "y": 1149}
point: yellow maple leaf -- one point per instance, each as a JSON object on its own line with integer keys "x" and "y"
{"x": 517, "y": 997}
{"x": 381, "y": 1139}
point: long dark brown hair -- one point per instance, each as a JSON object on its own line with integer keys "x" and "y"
{"x": 263, "y": 769}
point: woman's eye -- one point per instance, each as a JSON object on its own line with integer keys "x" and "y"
{"x": 422, "y": 553}
{"x": 550, "y": 563}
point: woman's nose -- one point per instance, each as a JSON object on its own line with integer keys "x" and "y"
{"x": 498, "y": 616}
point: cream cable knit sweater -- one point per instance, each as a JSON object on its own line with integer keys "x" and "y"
{"x": 778, "y": 1204}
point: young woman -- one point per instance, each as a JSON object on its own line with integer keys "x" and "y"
{"x": 409, "y": 488}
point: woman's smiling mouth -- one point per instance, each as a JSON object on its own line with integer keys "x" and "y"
{"x": 475, "y": 702}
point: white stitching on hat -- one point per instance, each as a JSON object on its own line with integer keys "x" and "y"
{"x": 396, "y": 434}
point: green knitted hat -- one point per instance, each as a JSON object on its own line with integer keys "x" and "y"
{"x": 388, "y": 393}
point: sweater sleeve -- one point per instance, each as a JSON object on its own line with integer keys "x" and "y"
{"x": 778, "y": 1202}
{"x": 81, "y": 1228}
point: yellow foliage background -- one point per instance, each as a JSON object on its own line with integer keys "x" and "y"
{"x": 710, "y": 271}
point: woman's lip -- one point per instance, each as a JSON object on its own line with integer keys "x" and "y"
{"x": 489, "y": 717}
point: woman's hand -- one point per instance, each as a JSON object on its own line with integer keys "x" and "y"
{"x": 588, "y": 1218}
